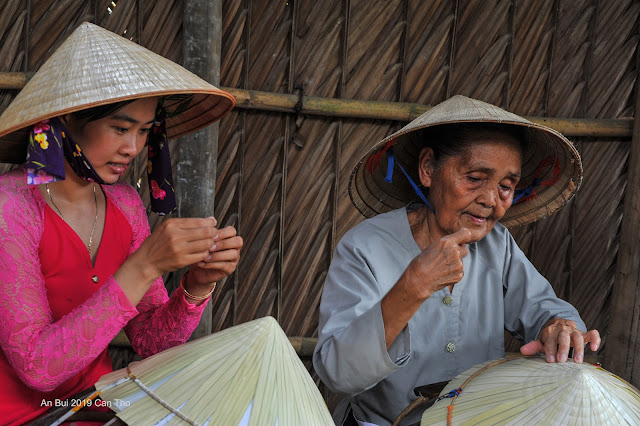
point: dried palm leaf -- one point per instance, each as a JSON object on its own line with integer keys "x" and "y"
{"x": 530, "y": 391}
{"x": 247, "y": 374}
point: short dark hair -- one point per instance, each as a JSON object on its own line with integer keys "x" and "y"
{"x": 451, "y": 140}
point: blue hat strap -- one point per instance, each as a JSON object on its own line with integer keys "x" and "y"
{"x": 390, "y": 164}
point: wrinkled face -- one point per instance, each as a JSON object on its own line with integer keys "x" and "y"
{"x": 111, "y": 143}
{"x": 472, "y": 190}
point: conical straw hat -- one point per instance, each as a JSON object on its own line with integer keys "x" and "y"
{"x": 96, "y": 67}
{"x": 250, "y": 370}
{"x": 529, "y": 391}
{"x": 372, "y": 195}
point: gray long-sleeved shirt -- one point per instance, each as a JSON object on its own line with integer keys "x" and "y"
{"x": 450, "y": 332}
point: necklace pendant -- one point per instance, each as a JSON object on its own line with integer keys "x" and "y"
{"x": 95, "y": 279}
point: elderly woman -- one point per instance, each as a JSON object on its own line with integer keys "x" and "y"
{"x": 425, "y": 290}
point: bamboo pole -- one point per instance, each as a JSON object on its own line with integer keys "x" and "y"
{"x": 303, "y": 346}
{"x": 378, "y": 110}
{"x": 197, "y": 159}
{"x": 621, "y": 352}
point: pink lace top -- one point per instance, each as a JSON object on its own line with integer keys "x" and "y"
{"x": 44, "y": 353}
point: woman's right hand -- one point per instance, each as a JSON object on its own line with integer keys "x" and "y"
{"x": 438, "y": 265}
{"x": 176, "y": 243}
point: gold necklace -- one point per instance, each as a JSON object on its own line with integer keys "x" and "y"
{"x": 95, "y": 219}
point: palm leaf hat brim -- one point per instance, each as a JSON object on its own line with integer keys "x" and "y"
{"x": 94, "y": 67}
{"x": 548, "y": 157}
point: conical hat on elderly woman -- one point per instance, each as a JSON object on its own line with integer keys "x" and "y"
{"x": 551, "y": 167}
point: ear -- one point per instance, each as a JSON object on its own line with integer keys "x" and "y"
{"x": 66, "y": 119}
{"x": 425, "y": 166}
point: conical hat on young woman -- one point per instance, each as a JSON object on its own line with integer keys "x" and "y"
{"x": 551, "y": 167}
{"x": 95, "y": 67}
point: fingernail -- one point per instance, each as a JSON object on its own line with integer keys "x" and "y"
{"x": 578, "y": 359}
{"x": 213, "y": 247}
{"x": 216, "y": 237}
{"x": 551, "y": 358}
{"x": 208, "y": 258}
{"x": 562, "y": 358}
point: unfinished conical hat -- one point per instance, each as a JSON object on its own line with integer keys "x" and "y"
{"x": 548, "y": 157}
{"x": 529, "y": 391}
{"x": 96, "y": 67}
{"x": 247, "y": 374}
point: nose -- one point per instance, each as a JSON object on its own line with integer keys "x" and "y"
{"x": 488, "y": 198}
{"x": 128, "y": 146}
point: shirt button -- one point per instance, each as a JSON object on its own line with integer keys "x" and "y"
{"x": 451, "y": 347}
{"x": 447, "y": 300}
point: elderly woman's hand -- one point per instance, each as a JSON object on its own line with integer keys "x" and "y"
{"x": 439, "y": 265}
{"x": 557, "y": 336}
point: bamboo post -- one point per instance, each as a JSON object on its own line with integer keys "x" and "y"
{"x": 377, "y": 110}
{"x": 198, "y": 152}
{"x": 623, "y": 344}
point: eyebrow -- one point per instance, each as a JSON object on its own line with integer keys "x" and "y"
{"x": 489, "y": 171}
{"x": 127, "y": 118}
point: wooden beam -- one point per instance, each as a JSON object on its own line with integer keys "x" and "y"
{"x": 378, "y": 110}
{"x": 623, "y": 343}
{"x": 195, "y": 179}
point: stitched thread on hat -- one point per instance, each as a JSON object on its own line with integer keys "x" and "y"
{"x": 526, "y": 194}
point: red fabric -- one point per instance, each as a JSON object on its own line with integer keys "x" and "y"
{"x": 63, "y": 255}
{"x": 44, "y": 353}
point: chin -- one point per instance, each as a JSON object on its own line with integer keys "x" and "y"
{"x": 478, "y": 234}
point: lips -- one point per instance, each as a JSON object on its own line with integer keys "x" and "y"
{"x": 118, "y": 167}
{"x": 476, "y": 219}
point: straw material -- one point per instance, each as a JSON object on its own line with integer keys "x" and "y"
{"x": 529, "y": 391}
{"x": 96, "y": 67}
{"x": 372, "y": 195}
{"x": 217, "y": 377}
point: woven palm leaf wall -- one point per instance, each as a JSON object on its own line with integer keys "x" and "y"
{"x": 282, "y": 177}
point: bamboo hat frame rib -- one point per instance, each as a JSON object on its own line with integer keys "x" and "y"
{"x": 96, "y": 67}
{"x": 371, "y": 194}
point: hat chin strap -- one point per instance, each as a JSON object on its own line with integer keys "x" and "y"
{"x": 390, "y": 163}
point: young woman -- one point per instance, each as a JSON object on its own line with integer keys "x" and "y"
{"x": 77, "y": 260}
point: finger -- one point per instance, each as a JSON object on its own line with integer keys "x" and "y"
{"x": 192, "y": 222}
{"x": 532, "y": 348}
{"x": 462, "y": 236}
{"x": 226, "y": 232}
{"x": 226, "y": 244}
{"x": 593, "y": 337}
{"x": 225, "y": 268}
{"x": 577, "y": 341}
{"x": 551, "y": 346}
{"x": 564, "y": 343}
{"x": 223, "y": 256}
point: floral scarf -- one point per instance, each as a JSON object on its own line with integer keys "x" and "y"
{"x": 50, "y": 144}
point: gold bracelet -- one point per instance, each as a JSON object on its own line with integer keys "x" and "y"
{"x": 186, "y": 293}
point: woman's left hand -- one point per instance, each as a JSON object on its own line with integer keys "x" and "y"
{"x": 222, "y": 261}
{"x": 557, "y": 336}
